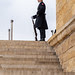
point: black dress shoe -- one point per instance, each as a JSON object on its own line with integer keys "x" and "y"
{"x": 43, "y": 39}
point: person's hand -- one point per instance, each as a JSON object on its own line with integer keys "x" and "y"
{"x": 32, "y": 17}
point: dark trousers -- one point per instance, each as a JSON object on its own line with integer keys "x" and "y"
{"x": 42, "y": 34}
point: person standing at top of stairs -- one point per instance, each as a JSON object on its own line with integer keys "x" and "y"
{"x": 40, "y": 22}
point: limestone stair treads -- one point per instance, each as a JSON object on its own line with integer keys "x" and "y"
{"x": 29, "y": 58}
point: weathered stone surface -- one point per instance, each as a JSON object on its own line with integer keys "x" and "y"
{"x": 67, "y": 55}
{"x": 72, "y": 40}
{"x": 63, "y": 33}
{"x": 64, "y": 44}
{"x": 16, "y": 59}
{"x": 59, "y": 50}
{"x": 32, "y": 57}
{"x": 65, "y": 11}
{"x": 69, "y": 65}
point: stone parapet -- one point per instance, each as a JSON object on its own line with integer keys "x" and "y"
{"x": 64, "y": 44}
{"x": 66, "y": 30}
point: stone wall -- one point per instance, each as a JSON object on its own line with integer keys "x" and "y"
{"x": 65, "y": 11}
{"x": 63, "y": 43}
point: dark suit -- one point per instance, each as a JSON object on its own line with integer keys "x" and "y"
{"x": 40, "y": 22}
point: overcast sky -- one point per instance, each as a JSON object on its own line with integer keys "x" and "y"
{"x": 21, "y": 11}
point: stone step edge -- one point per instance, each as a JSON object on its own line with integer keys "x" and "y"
{"x": 28, "y": 53}
{"x": 28, "y": 56}
{"x": 30, "y": 69}
{"x": 26, "y": 50}
{"x": 30, "y": 66}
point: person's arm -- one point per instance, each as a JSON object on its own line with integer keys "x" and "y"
{"x": 34, "y": 16}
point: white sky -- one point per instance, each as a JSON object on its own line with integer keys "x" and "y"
{"x": 21, "y": 11}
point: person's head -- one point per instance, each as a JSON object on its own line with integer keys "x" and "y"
{"x": 40, "y": 0}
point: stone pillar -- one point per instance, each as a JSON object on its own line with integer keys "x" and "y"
{"x": 65, "y": 10}
{"x": 8, "y": 34}
{"x": 11, "y": 29}
{"x": 63, "y": 41}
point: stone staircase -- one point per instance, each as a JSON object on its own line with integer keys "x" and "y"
{"x": 29, "y": 58}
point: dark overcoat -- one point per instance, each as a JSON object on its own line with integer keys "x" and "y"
{"x": 40, "y": 22}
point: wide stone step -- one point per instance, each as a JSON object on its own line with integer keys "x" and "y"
{"x": 22, "y": 59}
{"x": 23, "y": 43}
{"x": 29, "y": 62}
{"x": 34, "y": 72}
{"x": 27, "y": 49}
{"x": 10, "y": 60}
{"x": 5, "y": 66}
{"x": 29, "y": 56}
{"x": 26, "y": 53}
